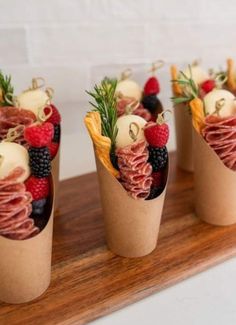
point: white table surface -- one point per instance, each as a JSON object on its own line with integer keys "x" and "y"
{"x": 205, "y": 299}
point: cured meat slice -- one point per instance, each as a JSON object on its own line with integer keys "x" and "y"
{"x": 128, "y": 105}
{"x": 220, "y": 134}
{"x": 15, "y": 208}
{"x": 11, "y": 117}
{"x": 135, "y": 171}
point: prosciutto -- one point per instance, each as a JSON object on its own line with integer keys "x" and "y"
{"x": 220, "y": 134}
{"x": 135, "y": 171}
{"x": 128, "y": 105}
{"x": 11, "y": 117}
{"x": 15, "y": 208}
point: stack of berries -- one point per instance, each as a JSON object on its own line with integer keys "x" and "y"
{"x": 157, "y": 135}
{"x": 150, "y": 100}
{"x": 39, "y": 138}
{"x": 55, "y": 119}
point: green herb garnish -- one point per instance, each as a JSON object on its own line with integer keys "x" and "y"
{"x": 6, "y": 89}
{"x": 105, "y": 104}
{"x": 190, "y": 89}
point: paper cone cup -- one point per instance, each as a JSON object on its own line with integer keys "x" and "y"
{"x": 55, "y": 175}
{"x": 132, "y": 226}
{"x": 25, "y": 265}
{"x": 215, "y": 186}
{"x": 183, "y": 126}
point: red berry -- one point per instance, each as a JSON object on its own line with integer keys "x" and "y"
{"x": 208, "y": 85}
{"x": 152, "y": 87}
{"x": 55, "y": 118}
{"x": 156, "y": 134}
{"x": 39, "y": 135}
{"x": 53, "y": 148}
{"x": 156, "y": 179}
{"x": 38, "y": 187}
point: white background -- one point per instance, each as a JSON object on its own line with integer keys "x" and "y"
{"x": 74, "y": 43}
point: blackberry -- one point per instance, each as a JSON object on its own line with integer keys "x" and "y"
{"x": 153, "y": 104}
{"x": 38, "y": 206}
{"x": 155, "y": 192}
{"x": 40, "y": 161}
{"x": 57, "y": 133}
{"x": 157, "y": 158}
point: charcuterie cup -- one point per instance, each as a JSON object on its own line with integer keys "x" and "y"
{"x": 132, "y": 226}
{"x": 215, "y": 185}
{"x": 25, "y": 265}
{"x": 183, "y": 126}
{"x": 56, "y": 175}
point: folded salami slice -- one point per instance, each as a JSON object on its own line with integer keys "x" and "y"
{"x": 10, "y": 117}
{"x": 128, "y": 105}
{"x": 15, "y": 208}
{"x": 135, "y": 171}
{"x": 220, "y": 134}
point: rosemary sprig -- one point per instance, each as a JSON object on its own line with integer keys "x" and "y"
{"x": 190, "y": 89}
{"x": 6, "y": 89}
{"x": 105, "y": 104}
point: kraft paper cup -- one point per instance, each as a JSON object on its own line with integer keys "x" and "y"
{"x": 25, "y": 265}
{"x": 183, "y": 126}
{"x": 132, "y": 226}
{"x": 215, "y": 186}
{"x": 55, "y": 175}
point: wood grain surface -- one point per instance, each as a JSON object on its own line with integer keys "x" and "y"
{"x": 88, "y": 281}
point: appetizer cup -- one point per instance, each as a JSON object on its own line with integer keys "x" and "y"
{"x": 25, "y": 265}
{"x": 215, "y": 186}
{"x": 132, "y": 226}
{"x": 183, "y": 126}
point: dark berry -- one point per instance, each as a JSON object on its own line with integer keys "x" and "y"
{"x": 39, "y": 206}
{"x": 155, "y": 192}
{"x": 153, "y": 104}
{"x": 40, "y": 161}
{"x": 57, "y": 133}
{"x": 158, "y": 158}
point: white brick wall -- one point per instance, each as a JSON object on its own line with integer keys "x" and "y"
{"x": 74, "y": 43}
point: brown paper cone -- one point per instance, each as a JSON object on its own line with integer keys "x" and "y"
{"x": 25, "y": 265}
{"x": 132, "y": 226}
{"x": 55, "y": 175}
{"x": 183, "y": 126}
{"x": 215, "y": 186}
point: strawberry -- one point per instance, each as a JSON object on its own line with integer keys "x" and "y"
{"x": 157, "y": 134}
{"x": 156, "y": 179}
{"x": 152, "y": 87}
{"x": 53, "y": 148}
{"x": 38, "y": 187}
{"x": 208, "y": 85}
{"x": 39, "y": 135}
{"x": 55, "y": 118}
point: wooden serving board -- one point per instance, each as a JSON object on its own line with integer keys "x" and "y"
{"x": 88, "y": 281}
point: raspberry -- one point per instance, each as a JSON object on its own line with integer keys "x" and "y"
{"x": 156, "y": 179}
{"x": 39, "y": 135}
{"x": 57, "y": 133}
{"x": 55, "y": 118}
{"x": 40, "y": 161}
{"x": 158, "y": 158}
{"x": 152, "y": 86}
{"x": 208, "y": 85}
{"x": 53, "y": 149}
{"x": 156, "y": 134}
{"x": 38, "y": 187}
